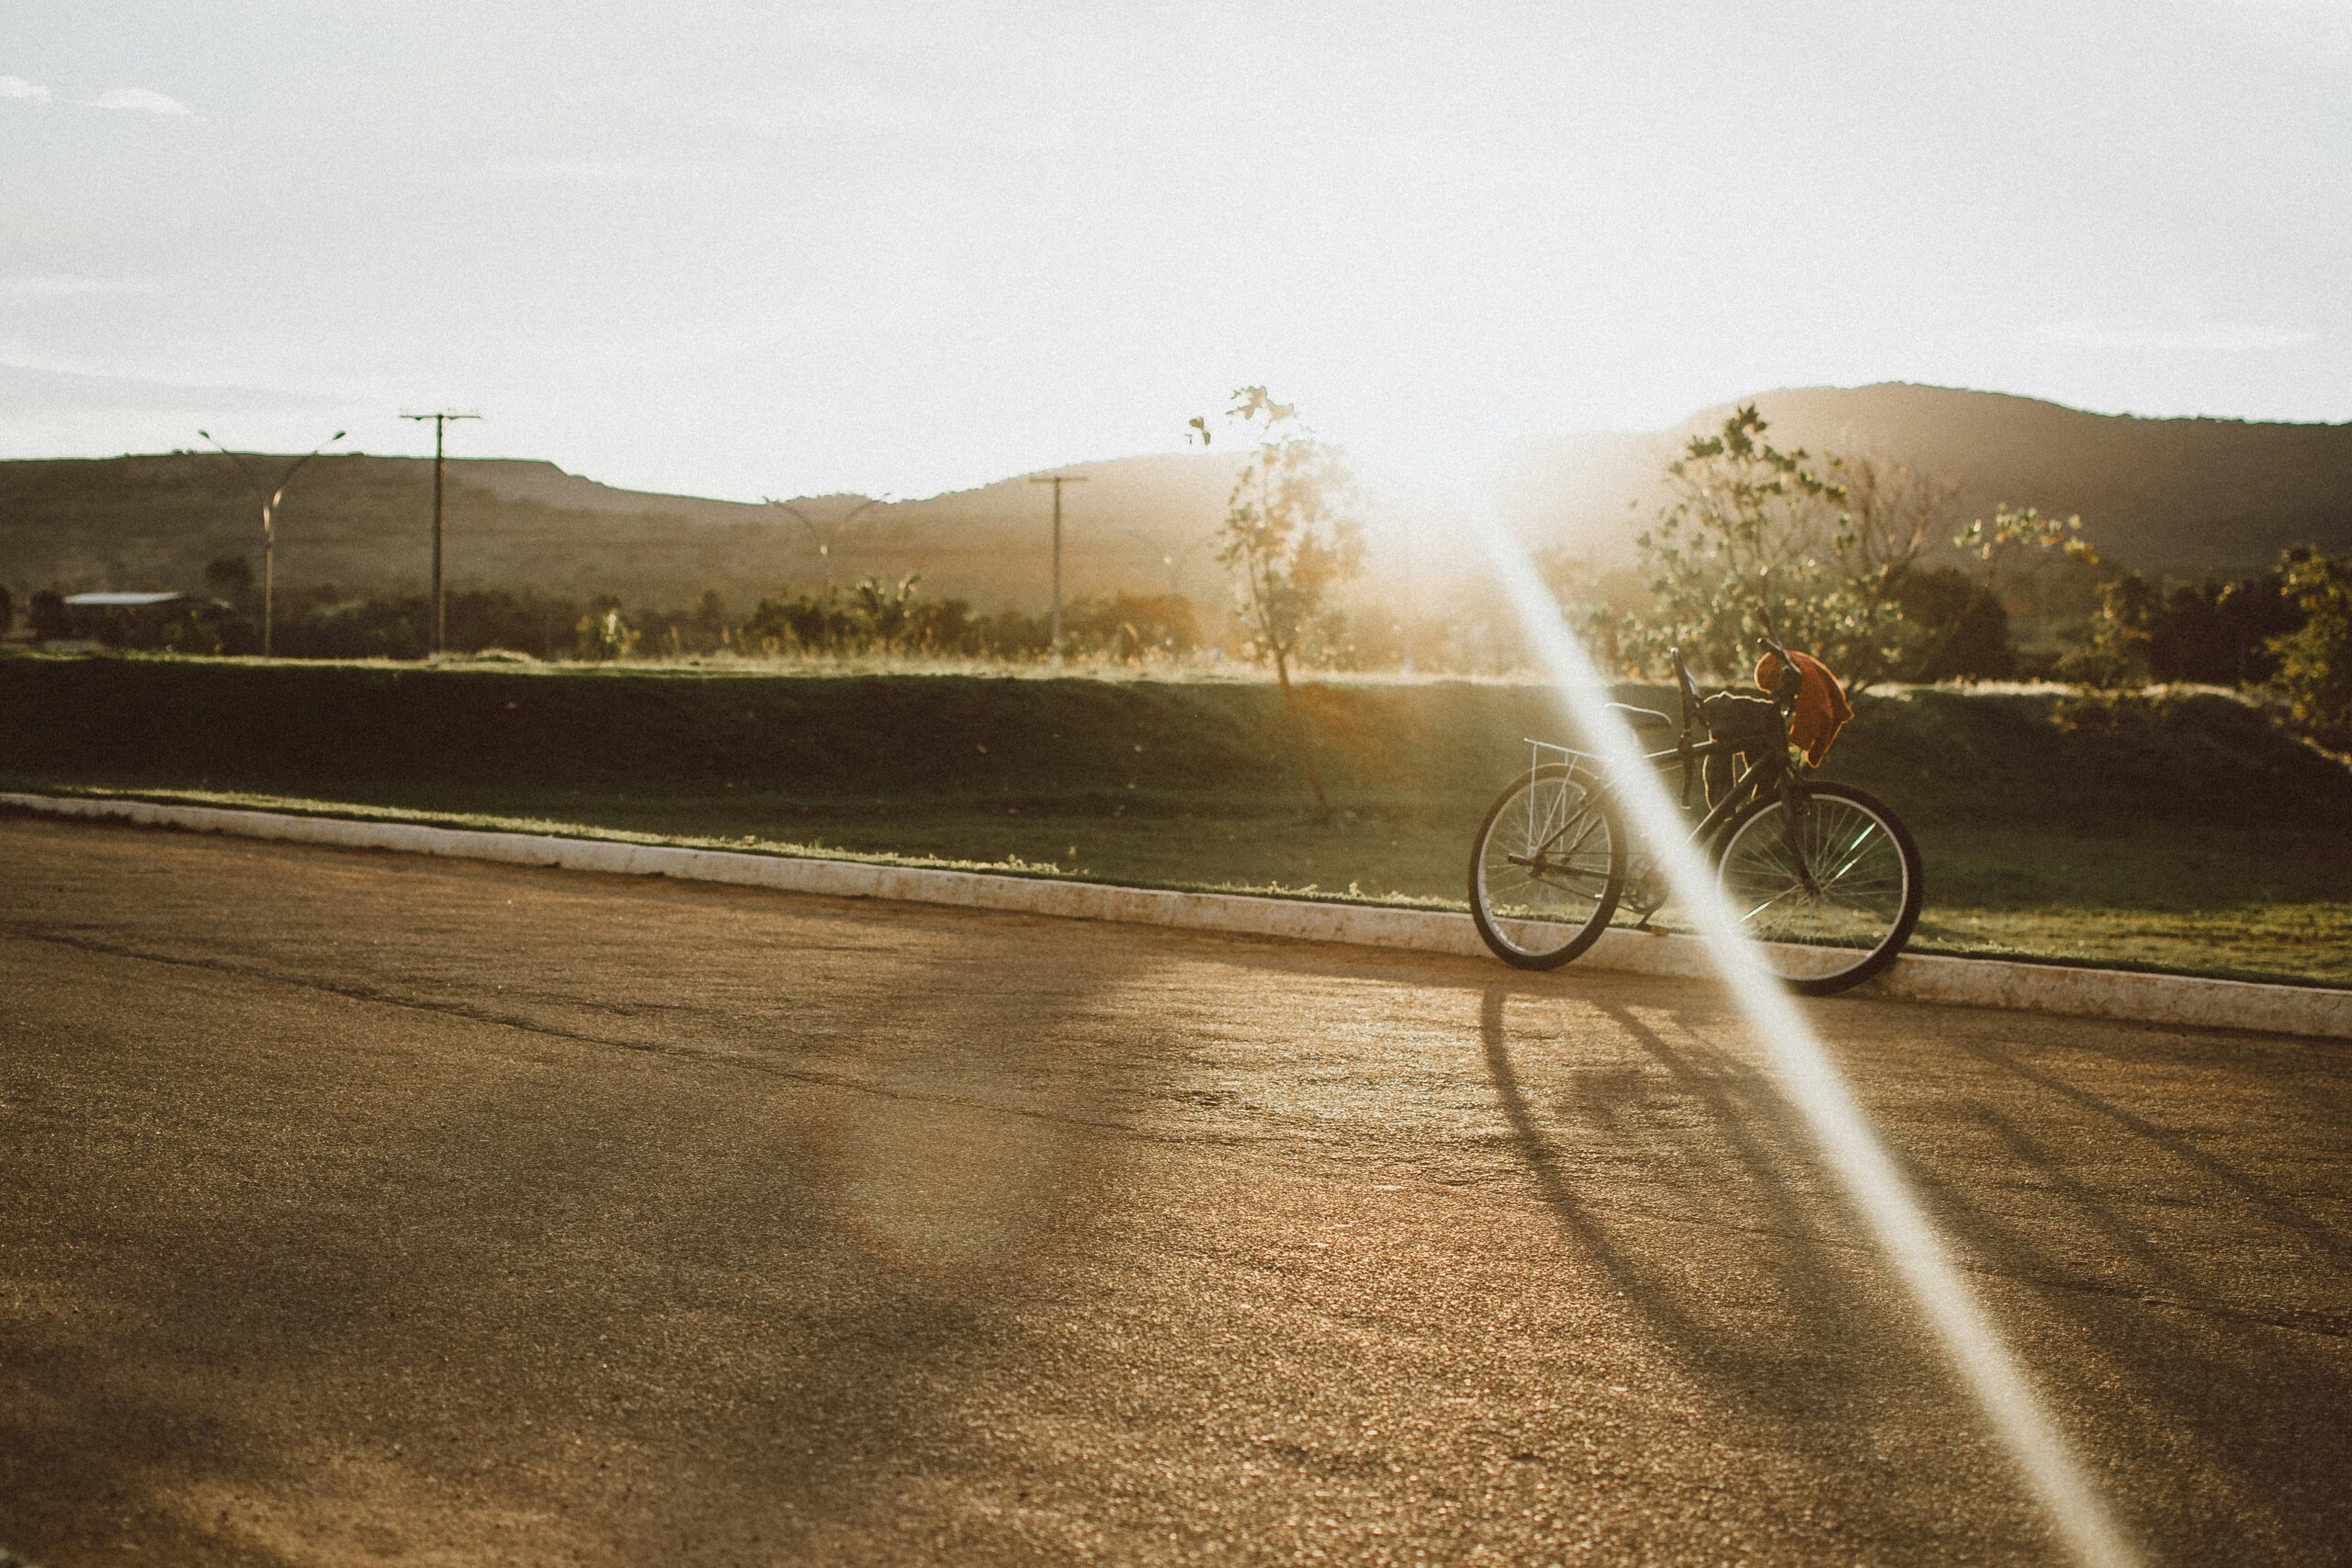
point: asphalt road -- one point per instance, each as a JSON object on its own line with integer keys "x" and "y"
{"x": 360, "y": 1209}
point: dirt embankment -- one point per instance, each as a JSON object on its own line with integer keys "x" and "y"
{"x": 1947, "y": 756}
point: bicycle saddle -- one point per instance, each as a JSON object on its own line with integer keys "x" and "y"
{"x": 1641, "y": 715}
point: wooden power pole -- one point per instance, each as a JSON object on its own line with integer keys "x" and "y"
{"x": 1057, "y": 481}
{"x": 440, "y": 621}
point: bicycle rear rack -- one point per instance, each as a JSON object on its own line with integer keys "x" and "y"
{"x": 1572, "y": 758}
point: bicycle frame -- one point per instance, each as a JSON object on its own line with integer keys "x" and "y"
{"x": 1690, "y": 754}
{"x": 1771, "y": 767}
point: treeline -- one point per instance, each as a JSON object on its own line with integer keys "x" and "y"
{"x": 2111, "y": 629}
{"x": 2131, "y": 631}
{"x": 2286, "y": 633}
{"x": 1851, "y": 557}
{"x": 871, "y": 616}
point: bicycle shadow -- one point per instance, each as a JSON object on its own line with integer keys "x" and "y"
{"x": 2185, "y": 1295}
{"x": 1773, "y": 1259}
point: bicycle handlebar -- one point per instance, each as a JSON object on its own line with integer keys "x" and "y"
{"x": 1785, "y": 687}
{"x": 1688, "y": 687}
{"x": 1788, "y": 682}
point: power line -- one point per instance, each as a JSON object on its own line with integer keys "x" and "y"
{"x": 440, "y": 625}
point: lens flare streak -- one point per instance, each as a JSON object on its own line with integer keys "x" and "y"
{"x": 1813, "y": 1084}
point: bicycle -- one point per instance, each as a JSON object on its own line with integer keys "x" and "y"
{"x": 1823, "y": 876}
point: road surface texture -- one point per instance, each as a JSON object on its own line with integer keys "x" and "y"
{"x": 361, "y": 1209}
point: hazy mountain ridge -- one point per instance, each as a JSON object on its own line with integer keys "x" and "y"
{"x": 2180, "y": 497}
{"x": 2185, "y": 497}
{"x": 365, "y": 523}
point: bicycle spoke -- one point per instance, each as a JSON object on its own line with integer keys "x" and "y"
{"x": 1767, "y": 903}
{"x": 1547, "y": 866}
{"x": 1855, "y": 892}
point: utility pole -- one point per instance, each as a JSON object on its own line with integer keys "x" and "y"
{"x": 1057, "y": 481}
{"x": 440, "y": 622}
{"x": 269, "y": 501}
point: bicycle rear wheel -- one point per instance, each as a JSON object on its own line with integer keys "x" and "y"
{"x": 1546, "y": 868}
{"x": 1856, "y": 910}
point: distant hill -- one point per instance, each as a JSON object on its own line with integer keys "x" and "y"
{"x": 2183, "y": 497}
{"x": 365, "y": 523}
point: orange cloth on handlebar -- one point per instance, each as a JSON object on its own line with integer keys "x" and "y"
{"x": 1822, "y": 709}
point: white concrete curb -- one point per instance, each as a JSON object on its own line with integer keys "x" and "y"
{"x": 1965, "y": 982}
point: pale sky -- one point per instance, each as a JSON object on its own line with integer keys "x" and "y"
{"x": 736, "y": 249}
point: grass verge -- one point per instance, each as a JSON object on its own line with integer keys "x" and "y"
{"x": 2179, "y": 833}
{"x": 2117, "y": 900}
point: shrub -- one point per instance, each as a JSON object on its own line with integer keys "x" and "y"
{"x": 604, "y": 635}
{"x": 2315, "y": 675}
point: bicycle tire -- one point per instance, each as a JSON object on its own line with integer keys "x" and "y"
{"x": 1530, "y": 918}
{"x": 1869, "y": 853}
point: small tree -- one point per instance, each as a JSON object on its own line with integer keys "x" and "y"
{"x": 879, "y": 612}
{"x": 604, "y": 634}
{"x": 2315, "y": 660}
{"x": 708, "y": 622}
{"x": 1288, "y": 540}
{"x": 1894, "y": 511}
{"x": 2115, "y": 653}
{"x": 2017, "y": 534}
{"x": 1755, "y": 536}
{"x": 2000, "y": 549}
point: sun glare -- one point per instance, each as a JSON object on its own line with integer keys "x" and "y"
{"x": 1883, "y": 1202}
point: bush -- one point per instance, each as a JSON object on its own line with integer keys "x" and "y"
{"x": 48, "y": 616}
{"x": 604, "y": 635}
{"x": 2315, "y": 675}
{"x": 1131, "y": 627}
{"x": 874, "y": 616}
{"x": 1965, "y": 627}
{"x": 2114, "y": 651}
{"x": 2219, "y": 633}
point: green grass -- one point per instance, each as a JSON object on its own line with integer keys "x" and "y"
{"x": 2240, "y": 902}
{"x": 2183, "y": 833}
{"x": 2129, "y": 898}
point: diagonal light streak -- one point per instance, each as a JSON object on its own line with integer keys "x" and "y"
{"x": 1853, "y": 851}
{"x": 1750, "y": 914}
{"x": 1858, "y": 1160}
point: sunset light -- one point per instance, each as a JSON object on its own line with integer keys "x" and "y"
{"x": 796, "y": 783}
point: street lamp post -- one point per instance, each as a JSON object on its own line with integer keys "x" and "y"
{"x": 269, "y": 499}
{"x": 825, "y": 539}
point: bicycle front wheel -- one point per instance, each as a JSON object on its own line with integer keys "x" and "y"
{"x": 1832, "y": 896}
{"x": 1546, "y": 868}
